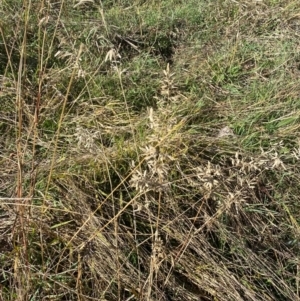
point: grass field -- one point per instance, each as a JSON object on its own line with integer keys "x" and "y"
{"x": 150, "y": 150}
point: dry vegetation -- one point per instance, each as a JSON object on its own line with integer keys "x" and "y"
{"x": 149, "y": 150}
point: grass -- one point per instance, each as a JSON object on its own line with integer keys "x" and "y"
{"x": 118, "y": 182}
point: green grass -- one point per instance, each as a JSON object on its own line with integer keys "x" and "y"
{"x": 116, "y": 182}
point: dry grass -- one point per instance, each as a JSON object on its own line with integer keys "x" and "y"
{"x": 149, "y": 151}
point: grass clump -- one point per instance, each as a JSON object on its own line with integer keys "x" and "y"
{"x": 149, "y": 151}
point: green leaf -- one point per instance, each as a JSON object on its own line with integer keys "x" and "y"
{"x": 286, "y": 121}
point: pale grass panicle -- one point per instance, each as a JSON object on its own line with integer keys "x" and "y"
{"x": 86, "y": 139}
{"x": 266, "y": 160}
{"x": 213, "y": 180}
{"x": 208, "y": 175}
{"x": 157, "y": 252}
{"x": 169, "y": 90}
{"x": 168, "y": 85}
{"x": 140, "y": 181}
{"x": 157, "y": 163}
{"x": 277, "y": 162}
{"x": 154, "y": 175}
{"x": 225, "y": 132}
